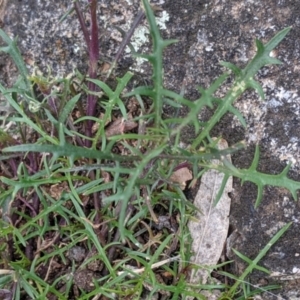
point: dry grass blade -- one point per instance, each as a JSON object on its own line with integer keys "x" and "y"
{"x": 156, "y": 265}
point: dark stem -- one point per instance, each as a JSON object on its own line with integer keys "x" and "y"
{"x": 92, "y": 42}
{"x": 93, "y": 65}
{"x": 97, "y": 200}
{"x": 82, "y": 24}
{"x": 25, "y": 202}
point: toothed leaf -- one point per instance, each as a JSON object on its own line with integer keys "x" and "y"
{"x": 274, "y": 61}
{"x": 255, "y": 161}
{"x": 236, "y": 70}
{"x": 237, "y": 113}
{"x": 259, "y": 46}
{"x": 260, "y": 179}
{"x": 166, "y": 43}
{"x": 243, "y": 81}
{"x": 259, "y": 195}
{"x": 144, "y": 56}
{"x": 142, "y": 90}
{"x": 277, "y": 39}
{"x": 15, "y": 54}
{"x": 257, "y": 87}
{"x": 286, "y": 170}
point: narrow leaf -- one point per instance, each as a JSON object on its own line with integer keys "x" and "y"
{"x": 261, "y": 254}
{"x": 15, "y": 54}
{"x": 240, "y": 117}
{"x": 236, "y": 70}
{"x": 259, "y": 46}
{"x": 255, "y": 161}
{"x": 256, "y": 86}
{"x": 67, "y": 109}
{"x": 259, "y": 195}
{"x": 277, "y": 39}
{"x": 249, "y": 261}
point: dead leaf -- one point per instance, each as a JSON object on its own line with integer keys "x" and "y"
{"x": 105, "y": 68}
{"x": 209, "y": 230}
{"x": 181, "y": 176}
{"x": 120, "y": 125}
{"x": 96, "y": 125}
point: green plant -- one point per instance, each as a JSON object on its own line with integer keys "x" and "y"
{"x": 102, "y": 191}
{"x": 253, "y": 265}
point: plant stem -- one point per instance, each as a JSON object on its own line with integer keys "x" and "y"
{"x": 93, "y": 51}
{"x": 82, "y": 24}
{"x": 93, "y": 64}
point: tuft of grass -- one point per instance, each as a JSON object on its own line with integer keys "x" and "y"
{"x": 89, "y": 207}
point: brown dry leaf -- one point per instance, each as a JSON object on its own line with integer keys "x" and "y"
{"x": 133, "y": 105}
{"x": 120, "y": 125}
{"x": 96, "y": 125}
{"x": 181, "y": 176}
{"x": 209, "y": 232}
{"x": 105, "y": 68}
{"x": 106, "y": 176}
{"x": 116, "y": 127}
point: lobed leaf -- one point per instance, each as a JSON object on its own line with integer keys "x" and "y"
{"x": 15, "y": 54}
{"x": 244, "y": 80}
{"x": 156, "y": 59}
{"x": 260, "y": 179}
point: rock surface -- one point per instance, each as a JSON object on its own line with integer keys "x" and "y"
{"x": 208, "y": 32}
